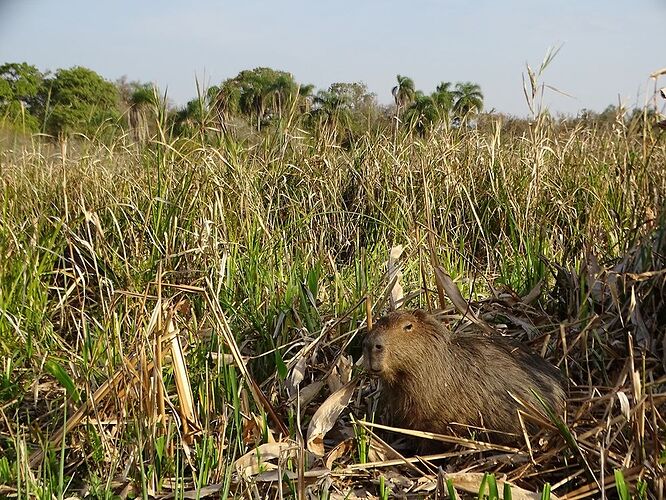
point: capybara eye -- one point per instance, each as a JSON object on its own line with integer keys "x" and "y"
{"x": 379, "y": 347}
{"x": 408, "y": 326}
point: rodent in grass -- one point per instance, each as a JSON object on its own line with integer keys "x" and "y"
{"x": 433, "y": 377}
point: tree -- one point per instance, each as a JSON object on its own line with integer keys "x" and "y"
{"x": 79, "y": 100}
{"x": 20, "y": 87}
{"x": 252, "y": 100}
{"x": 423, "y": 113}
{"x": 344, "y": 108}
{"x": 283, "y": 89}
{"x": 260, "y": 94}
{"x": 443, "y": 97}
{"x": 225, "y": 101}
{"x": 191, "y": 118}
{"x": 139, "y": 102}
{"x": 330, "y": 110}
{"x": 403, "y": 93}
{"x": 355, "y": 94}
{"x": 144, "y": 102}
{"x": 468, "y": 99}
{"x": 305, "y": 97}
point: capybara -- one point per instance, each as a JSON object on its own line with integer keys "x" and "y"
{"x": 434, "y": 377}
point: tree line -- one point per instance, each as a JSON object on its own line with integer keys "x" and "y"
{"x": 77, "y": 100}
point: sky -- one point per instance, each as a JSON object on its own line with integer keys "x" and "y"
{"x": 608, "y": 49}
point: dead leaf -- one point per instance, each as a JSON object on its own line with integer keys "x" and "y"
{"x": 276, "y": 475}
{"x": 534, "y": 293}
{"x": 296, "y": 376}
{"x": 456, "y": 297}
{"x": 341, "y": 449}
{"x": 254, "y": 430}
{"x": 325, "y": 417}
{"x": 643, "y": 337}
{"x": 658, "y": 73}
{"x": 394, "y": 275}
{"x": 197, "y": 493}
{"x": 341, "y": 373}
{"x": 452, "y": 291}
{"x": 257, "y": 460}
{"x": 624, "y": 405}
{"x": 182, "y": 378}
{"x": 309, "y": 392}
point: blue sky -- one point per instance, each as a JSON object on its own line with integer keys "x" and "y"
{"x": 609, "y": 48}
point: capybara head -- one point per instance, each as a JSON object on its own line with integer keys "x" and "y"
{"x": 384, "y": 347}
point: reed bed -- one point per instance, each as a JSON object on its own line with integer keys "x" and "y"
{"x": 182, "y": 318}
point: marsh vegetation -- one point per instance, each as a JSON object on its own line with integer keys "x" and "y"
{"x": 180, "y": 292}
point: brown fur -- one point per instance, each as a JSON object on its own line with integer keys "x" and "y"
{"x": 434, "y": 377}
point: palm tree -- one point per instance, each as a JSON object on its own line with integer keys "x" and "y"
{"x": 222, "y": 102}
{"x": 192, "y": 118}
{"x": 403, "y": 93}
{"x": 254, "y": 97}
{"x": 305, "y": 97}
{"x": 443, "y": 97}
{"x": 468, "y": 99}
{"x": 330, "y": 110}
{"x": 141, "y": 101}
{"x": 423, "y": 113}
{"x": 225, "y": 100}
{"x": 282, "y": 89}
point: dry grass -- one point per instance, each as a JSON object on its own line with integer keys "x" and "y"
{"x": 172, "y": 316}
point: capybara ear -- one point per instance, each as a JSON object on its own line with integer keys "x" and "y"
{"x": 420, "y": 314}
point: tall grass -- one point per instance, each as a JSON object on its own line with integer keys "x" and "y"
{"x": 281, "y": 236}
